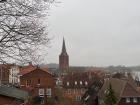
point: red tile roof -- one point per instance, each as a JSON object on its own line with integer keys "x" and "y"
{"x": 27, "y": 69}
{"x": 78, "y": 80}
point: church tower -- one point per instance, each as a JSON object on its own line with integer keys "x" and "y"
{"x": 63, "y": 59}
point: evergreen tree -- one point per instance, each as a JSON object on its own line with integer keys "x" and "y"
{"x": 110, "y": 98}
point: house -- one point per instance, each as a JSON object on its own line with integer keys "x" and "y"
{"x": 9, "y": 74}
{"x": 76, "y": 84}
{"x": 14, "y": 77}
{"x": 125, "y": 90}
{"x": 12, "y": 96}
{"x": 38, "y": 82}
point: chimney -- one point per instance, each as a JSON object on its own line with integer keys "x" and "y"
{"x": 30, "y": 63}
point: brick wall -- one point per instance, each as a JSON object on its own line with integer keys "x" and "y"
{"x": 37, "y": 79}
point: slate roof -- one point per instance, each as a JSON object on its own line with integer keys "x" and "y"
{"x": 13, "y": 92}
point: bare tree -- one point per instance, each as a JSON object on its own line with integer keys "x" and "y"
{"x": 21, "y": 28}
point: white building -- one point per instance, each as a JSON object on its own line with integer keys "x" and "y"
{"x": 14, "y": 77}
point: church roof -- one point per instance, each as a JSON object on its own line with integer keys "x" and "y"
{"x": 64, "y": 52}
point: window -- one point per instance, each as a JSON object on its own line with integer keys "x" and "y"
{"x": 86, "y": 83}
{"x": 78, "y": 98}
{"x": 80, "y": 82}
{"x": 135, "y": 100}
{"x": 75, "y": 82}
{"x": 27, "y": 82}
{"x": 127, "y": 100}
{"x": 38, "y": 81}
{"x": 41, "y": 92}
{"x": 49, "y": 92}
{"x": 68, "y": 83}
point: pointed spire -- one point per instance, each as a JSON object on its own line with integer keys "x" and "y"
{"x": 63, "y": 46}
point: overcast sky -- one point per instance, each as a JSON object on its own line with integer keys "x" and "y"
{"x": 97, "y": 32}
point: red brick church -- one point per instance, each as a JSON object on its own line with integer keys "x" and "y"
{"x": 63, "y": 59}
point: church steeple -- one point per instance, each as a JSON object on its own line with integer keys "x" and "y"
{"x": 63, "y": 58}
{"x": 64, "y": 46}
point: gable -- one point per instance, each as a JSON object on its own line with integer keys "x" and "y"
{"x": 130, "y": 91}
{"x": 37, "y": 73}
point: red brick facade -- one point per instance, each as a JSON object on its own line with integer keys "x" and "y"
{"x": 63, "y": 62}
{"x": 38, "y": 81}
{"x": 76, "y": 84}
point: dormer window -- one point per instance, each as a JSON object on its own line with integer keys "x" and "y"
{"x": 68, "y": 83}
{"x": 127, "y": 100}
{"x": 86, "y": 83}
{"x": 135, "y": 100}
{"x": 75, "y": 82}
{"x": 80, "y": 82}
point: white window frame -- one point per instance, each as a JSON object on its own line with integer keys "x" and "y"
{"x": 81, "y": 83}
{"x": 78, "y": 98}
{"x": 41, "y": 92}
{"x": 49, "y": 92}
{"x": 68, "y": 83}
{"x": 86, "y": 83}
{"x": 127, "y": 100}
{"x": 75, "y": 82}
{"x": 135, "y": 100}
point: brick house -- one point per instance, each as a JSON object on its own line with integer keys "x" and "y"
{"x": 125, "y": 90}
{"x": 75, "y": 85}
{"x": 38, "y": 82}
{"x": 9, "y": 74}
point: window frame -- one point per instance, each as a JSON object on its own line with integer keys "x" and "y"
{"x": 127, "y": 100}
{"x": 135, "y": 100}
